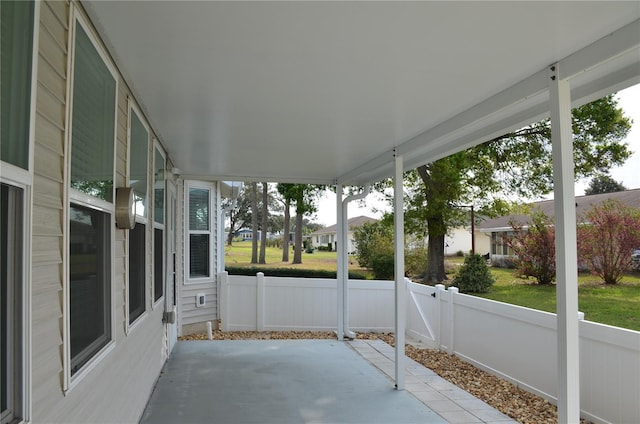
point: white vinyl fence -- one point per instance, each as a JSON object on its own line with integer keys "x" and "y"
{"x": 515, "y": 343}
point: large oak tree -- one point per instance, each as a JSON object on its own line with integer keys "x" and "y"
{"x": 517, "y": 164}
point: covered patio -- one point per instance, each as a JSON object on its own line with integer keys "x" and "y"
{"x": 312, "y": 381}
{"x": 346, "y": 94}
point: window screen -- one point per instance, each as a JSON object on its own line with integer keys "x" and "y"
{"x": 16, "y": 39}
{"x": 94, "y": 96}
{"x": 199, "y": 233}
{"x": 158, "y": 187}
{"x": 138, "y": 155}
{"x": 89, "y": 282}
{"x": 137, "y": 274}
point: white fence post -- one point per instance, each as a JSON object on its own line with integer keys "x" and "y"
{"x": 438, "y": 327}
{"x": 260, "y": 301}
{"x": 453, "y": 291}
{"x": 223, "y": 296}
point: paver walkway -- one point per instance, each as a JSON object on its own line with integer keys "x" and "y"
{"x": 453, "y": 404}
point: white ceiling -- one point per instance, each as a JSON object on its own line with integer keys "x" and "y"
{"x": 324, "y": 91}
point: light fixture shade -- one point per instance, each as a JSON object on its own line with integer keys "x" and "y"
{"x": 125, "y": 208}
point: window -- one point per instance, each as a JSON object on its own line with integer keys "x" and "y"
{"x": 158, "y": 224}
{"x": 15, "y": 82}
{"x": 199, "y": 204}
{"x": 11, "y": 301}
{"x": 90, "y": 282}
{"x": 138, "y": 177}
{"x": 138, "y": 148}
{"x": 137, "y": 279}
{"x": 158, "y": 263}
{"x": 91, "y": 209}
{"x": 93, "y": 128}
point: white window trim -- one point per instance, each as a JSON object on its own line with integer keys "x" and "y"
{"x": 69, "y": 382}
{"x": 187, "y": 247}
{"x": 157, "y": 225}
{"x": 23, "y": 179}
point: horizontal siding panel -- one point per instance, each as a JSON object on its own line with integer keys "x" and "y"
{"x": 46, "y": 395}
{"x": 52, "y": 81}
{"x": 48, "y": 164}
{"x": 50, "y": 107}
{"x": 60, "y": 10}
{"x": 46, "y": 221}
{"x": 46, "y": 277}
{"x": 50, "y": 23}
{"x": 46, "y": 250}
{"x": 50, "y": 134}
{"x": 51, "y": 52}
{"x": 47, "y": 192}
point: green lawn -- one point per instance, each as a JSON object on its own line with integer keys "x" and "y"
{"x": 617, "y": 305}
{"x": 239, "y": 255}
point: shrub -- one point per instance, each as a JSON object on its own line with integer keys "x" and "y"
{"x": 608, "y": 239}
{"x": 473, "y": 276}
{"x": 290, "y": 272}
{"x": 372, "y": 240}
{"x": 415, "y": 261}
{"x": 383, "y": 266}
{"x": 535, "y": 248}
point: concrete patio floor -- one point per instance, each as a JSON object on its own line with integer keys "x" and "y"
{"x": 303, "y": 381}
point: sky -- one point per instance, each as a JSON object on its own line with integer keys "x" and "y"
{"x": 628, "y": 174}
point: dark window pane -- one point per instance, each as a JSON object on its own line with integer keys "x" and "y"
{"x": 11, "y": 285}
{"x": 137, "y": 279}
{"x": 16, "y": 34}
{"x": 198, "y": 209}
{"x": 158, "y": 264}
{"x": 90, "y": 282}
{"x": 94, "y": 96}
{"x": 198, "y": 255}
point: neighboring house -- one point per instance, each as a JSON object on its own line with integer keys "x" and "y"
{"x": 459, "y": 240}
{"x": 328, "y": 236}
{"x": 246, "y": 234}
{"x": 498, "y": 230}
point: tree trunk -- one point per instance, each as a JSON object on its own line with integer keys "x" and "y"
{"x": 435, "y": 253}
{"x": 254, "y": 223}
{"x": 265, "y": 216}
{"x": 297, "y": 250}
{"x": 231, "y": 227}
{"x": 287, "y": 231}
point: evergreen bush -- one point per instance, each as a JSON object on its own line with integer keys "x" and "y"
{"x": 290, "y": 272}
{"x": 382, "y": 266}
{"x": 473, "y": 276}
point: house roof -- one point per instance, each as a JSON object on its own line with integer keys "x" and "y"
{"x": 583, "y": 204}
{"x": 352, "y": 223}
{"x": 326, "y": 92}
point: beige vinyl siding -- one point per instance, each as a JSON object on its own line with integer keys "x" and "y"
{"x": 48, "y": 216}
{"x": 189, "y": 314}
{"x": 117, "y": 389}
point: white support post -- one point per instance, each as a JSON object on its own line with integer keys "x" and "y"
{"x": 224, "y": 300}
{"x": 453, "y": 291}
{"x": 566, "y": 250}
{"x": 340, "y": 283}
{"x": 401, "y": 287}
{"x": 439, "y": 294}
{"x": 260, "y": 301}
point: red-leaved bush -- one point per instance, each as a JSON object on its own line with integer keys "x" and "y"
{"x": 608, "y": 236}
{"x": 534, "y": 248}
